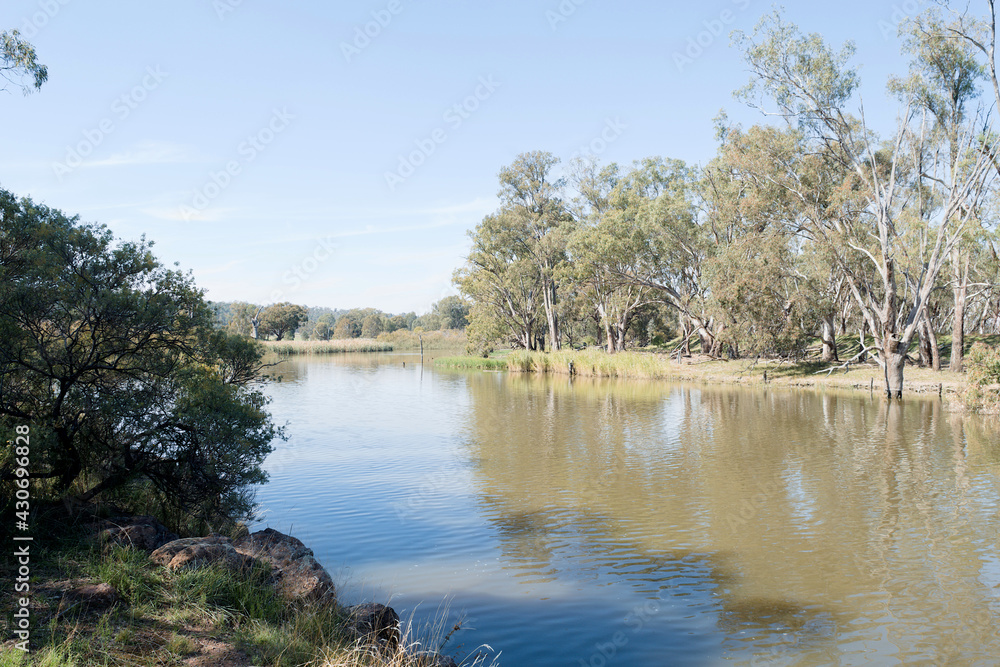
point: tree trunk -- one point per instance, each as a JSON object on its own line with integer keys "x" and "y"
{"x": 829, "y": 338}
{"x": 549, "y": 299}
{"x": 923, "y": 345}
{"x": 620, "y": 330}
{"x": 862, "y": 334}
{"x": 958, "y": 328}
{"x": 933, "y": 341}
{"x": 895, "y": 360}
{"x": 608, "y": 337}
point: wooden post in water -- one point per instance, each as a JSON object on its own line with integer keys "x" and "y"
{"x": 421, "y": 337}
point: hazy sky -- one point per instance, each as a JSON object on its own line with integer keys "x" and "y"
{"x": 281, "y": 153}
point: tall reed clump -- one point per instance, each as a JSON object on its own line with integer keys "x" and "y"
{"x": 294, "y": 347}
{"x": 982, "y": 392}
{"x": 593, "y": 363}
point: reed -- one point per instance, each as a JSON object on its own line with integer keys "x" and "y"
{"x": 290, "y": 348}
{"x": 594, "y": 363}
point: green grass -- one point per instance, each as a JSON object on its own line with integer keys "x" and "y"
{"x": 472, "y": 363}
{"x": 165, "y": 617}
{"x": 289, "y": 348}
{"x": 595, "y": 363}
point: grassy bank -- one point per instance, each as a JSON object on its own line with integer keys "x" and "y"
{"x": 202, "y": 616}
{"x": 646, "y": 365}
{"x": 287, "y": 348}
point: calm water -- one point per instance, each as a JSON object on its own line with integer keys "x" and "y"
{"x": 625, "y": 523}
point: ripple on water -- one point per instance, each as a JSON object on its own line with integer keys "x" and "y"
{"x": 645, "y": 524}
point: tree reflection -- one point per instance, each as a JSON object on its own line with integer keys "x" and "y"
{"x": 791, "y": 511}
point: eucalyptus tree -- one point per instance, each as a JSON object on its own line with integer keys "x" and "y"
{"x": 19, "y": 63}
{"x": 605, "y": 248}
{"x": 661, "y": 244}
{"x": 533, "y": 201}
{"x": 810, "y": 85}
{"x": 503, "y": 281}
{"x": 943, "y": 81}
{"x": 757, "y": 286}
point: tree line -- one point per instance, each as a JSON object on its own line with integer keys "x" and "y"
{"x": 317, "y": 323}
{"x": 813, "y": 226}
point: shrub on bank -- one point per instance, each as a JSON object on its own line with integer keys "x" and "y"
{"x": 982, "y": 393}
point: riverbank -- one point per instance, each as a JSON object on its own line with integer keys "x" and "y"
{"x": 126, "y": 591}
{"x": 866, "y": 377}
{"x": 287, "y": 348}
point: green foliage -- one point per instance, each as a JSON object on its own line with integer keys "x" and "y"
{"x": 982, "y": 393}
{"x": 371, "y": 326}
{"x": 18, "y": 62}
{"x": 114, "y": 362}
{"x": 347, "y": 327}
{"x": 282, "y": 318}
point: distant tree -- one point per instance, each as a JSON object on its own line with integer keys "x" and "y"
{"x": 241, "y": 315}
{"x": 371, "y": 326}
{"x": 114, "y": 362}
{"x": 452, "y": 312}
{"x": 428, "y": 322}
{"x": 395, "y": 323}
{"x": 19, "y": 62}
{"x": 324, "y": 327}
{"x": 347, "y": 327}
{"x": 282, "y": 318}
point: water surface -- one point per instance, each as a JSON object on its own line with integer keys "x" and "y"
{"x": 644, "y": 523}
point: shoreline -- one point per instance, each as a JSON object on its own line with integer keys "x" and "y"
{"x": 632, "y": 365}
{"x": 125, "y": 589}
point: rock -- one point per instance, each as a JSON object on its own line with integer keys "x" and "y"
{"x": 296, "y": 573}
{"x": 166, "y": 553}
{"x": 94, "y": 595}
{"x": 201, "y": 551}
{"x": 431, "y": 659}
{"x": 139, "y": 532}
{"x": 375, "y": 624}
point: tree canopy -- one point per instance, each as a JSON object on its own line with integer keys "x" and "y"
{"x": 113, "y": 361}
{"x": 19, "y": 63}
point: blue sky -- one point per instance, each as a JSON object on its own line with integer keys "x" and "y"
{"x": 283, "y": 154}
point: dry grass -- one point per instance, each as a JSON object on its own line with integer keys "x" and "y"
{"x": 287, "y": 348}
{"x": 699, "y": 368}
{"x": 206, "y": 616}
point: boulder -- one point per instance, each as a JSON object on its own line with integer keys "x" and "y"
{"x": 139, "y": 532}
{"x": 373, "y": 624}
{"x": 297, "y": 575}
{"x": 202, "y": 551}
{"x": 94, "y": 595}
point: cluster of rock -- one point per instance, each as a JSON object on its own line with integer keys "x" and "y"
{"x": 294, "y": 573}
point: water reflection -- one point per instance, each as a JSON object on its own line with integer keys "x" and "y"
{"x": 821, "y": 524}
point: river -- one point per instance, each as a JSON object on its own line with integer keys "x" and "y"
{"x": 582, "y": 522}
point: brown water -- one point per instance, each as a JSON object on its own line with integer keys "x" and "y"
{"x": 605, "y": 523}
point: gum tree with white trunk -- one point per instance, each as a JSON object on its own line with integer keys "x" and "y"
{"x": 809, "y": 85}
